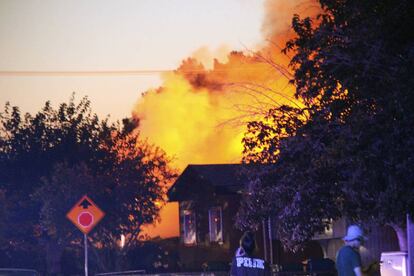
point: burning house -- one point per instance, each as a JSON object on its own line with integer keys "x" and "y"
{"x": 209, "y": 198}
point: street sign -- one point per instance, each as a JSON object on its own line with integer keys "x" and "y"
{"x": 85, "y": 214}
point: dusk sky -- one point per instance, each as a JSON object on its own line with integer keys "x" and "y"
{"x": 112, "y": 51}
{"x": 52, "y": 48}
{"x": 83, "y": 37}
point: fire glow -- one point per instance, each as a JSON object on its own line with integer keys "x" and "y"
{"x": 199, "y": 115}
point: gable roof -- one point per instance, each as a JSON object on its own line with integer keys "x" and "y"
{"x": 219, "y": 178}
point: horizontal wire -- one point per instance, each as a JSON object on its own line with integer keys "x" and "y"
{"x": 82, "y": 73}
{"x": 21, "y": 73}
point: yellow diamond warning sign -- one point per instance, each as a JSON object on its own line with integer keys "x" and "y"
{"x": 85, "y": 214}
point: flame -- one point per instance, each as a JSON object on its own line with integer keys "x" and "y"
{"x": 199, "y": 113}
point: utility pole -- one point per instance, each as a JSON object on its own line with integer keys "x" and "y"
{"x": 264, "y": 226}
{"x": 269, "y": 220}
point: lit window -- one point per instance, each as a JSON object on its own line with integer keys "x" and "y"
{"x": 215, "y": 225}
{"x": 122, "y": 241}
{"x": 189, "y": 225}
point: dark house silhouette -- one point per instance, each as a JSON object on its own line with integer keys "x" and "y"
{"x": 209, "y": 197}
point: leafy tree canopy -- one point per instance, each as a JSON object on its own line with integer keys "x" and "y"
{"x": 49, "y": 160}
{"x": 353, "y": 156}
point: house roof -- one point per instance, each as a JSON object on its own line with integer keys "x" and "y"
{"x": 219, "y": 178}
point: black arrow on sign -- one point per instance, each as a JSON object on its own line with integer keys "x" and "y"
{"x": 85, "y": 204}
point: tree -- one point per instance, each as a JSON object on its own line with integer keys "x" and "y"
{"x": 47, "y": 162}
{"x": 262, "y": 140}
{"x": 353, "y": 157}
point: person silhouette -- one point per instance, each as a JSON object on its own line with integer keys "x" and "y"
{"x": 244, "y": 263}
{"x": 348, "y": 259}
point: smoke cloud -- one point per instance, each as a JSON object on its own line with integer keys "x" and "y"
{"x": 199, "y": 114}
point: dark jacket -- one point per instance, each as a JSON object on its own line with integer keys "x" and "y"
{"x": 244, "y": 265}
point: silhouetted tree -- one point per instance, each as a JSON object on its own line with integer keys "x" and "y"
{"x": 353, "y": 156}
{"x": 49, "y": 160}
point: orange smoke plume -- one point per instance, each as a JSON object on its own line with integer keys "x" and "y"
{"x": 278, "y": 17}
{"x": 199, "y": 113}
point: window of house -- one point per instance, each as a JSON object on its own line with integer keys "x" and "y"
{"x": 215, "y": 224}
{"x": 189, "y": 227}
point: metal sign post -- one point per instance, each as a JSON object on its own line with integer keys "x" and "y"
{"x": 85, "y": 215}
{"x": 86, "y": 253}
